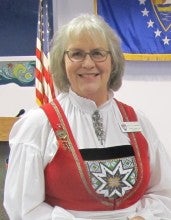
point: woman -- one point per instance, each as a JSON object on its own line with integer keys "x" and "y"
{"x": 86, "y": 155}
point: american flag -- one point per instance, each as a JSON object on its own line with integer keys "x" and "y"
{"x": 44, "y": 84}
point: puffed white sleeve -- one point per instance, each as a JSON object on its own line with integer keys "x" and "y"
{"x": 156, "y": 203}
{"x": 24, "y": 184}
{"x": 32, "y": 145}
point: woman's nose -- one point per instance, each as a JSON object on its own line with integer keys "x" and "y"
{"x": 88, "y": 61}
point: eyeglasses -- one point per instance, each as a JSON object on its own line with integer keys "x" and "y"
{"x": 96, "y": 55}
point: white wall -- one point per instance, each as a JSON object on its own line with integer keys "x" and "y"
{"x": 146, "y": 85}
{"x": 13, "y": 98}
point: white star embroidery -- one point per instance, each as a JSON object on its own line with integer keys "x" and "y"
{"x": 145, "y": 12}
{"x": 150, "y": 23}
{"x": 166, "y": 40}
{"x": 113, "y": 183}
{"x": 157, "y": 33}
{"x": 142, "y": 2}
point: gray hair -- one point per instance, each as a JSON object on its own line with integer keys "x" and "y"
{"x": 92, "y": 26}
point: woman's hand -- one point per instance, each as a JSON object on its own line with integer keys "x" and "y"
{"x": 137, "y": 218}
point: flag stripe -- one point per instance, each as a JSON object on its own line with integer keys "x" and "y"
{"x": 44, "y": 84}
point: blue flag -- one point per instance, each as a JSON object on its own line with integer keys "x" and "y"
{"x": 144, "y": 27}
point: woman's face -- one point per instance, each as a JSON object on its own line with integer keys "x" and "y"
{"x": 88, "y": 78}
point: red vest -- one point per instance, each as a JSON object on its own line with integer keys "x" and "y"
{"x": 67, "y": 182}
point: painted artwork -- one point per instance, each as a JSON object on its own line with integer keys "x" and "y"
{"x": 19, "y": 72}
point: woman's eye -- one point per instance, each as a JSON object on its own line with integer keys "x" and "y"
{"x": 77, "y": 54}
{"x": 97, "y": 53}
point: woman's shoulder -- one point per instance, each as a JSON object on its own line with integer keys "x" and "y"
{"x": 34, "y": 117}
{"x": 32, "y": 124}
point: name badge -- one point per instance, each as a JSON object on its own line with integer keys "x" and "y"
{"x": 130, "y": 126}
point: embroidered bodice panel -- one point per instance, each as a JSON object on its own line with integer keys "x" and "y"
{"x": 113, "y": 171}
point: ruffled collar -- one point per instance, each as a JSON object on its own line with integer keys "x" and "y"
{"x": 88, "y": 105}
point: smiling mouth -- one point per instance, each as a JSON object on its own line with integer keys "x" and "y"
{"x": 89, "y": 74}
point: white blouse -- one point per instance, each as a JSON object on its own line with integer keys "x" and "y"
{"x": 33, "y": 145}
